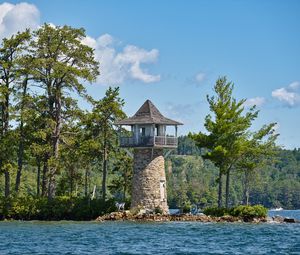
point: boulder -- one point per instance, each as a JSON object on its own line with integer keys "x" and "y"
{"x": 278, "y": 218}
{"x": 289, "y": 220}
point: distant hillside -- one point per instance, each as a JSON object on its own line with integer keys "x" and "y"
{"x": 192, "y": 180}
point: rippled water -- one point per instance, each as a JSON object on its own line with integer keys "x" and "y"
{"x": 286, "y": 213}
{"x": 148, "y": 238}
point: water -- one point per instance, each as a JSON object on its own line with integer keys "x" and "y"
{"x": 149, "y": 238}
{"x": 295, "y": 214}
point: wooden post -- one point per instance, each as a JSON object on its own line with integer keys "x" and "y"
{"x": 165, "y": 135}
{"x": 153, "y": 133}
{"x": 136, "y": 133}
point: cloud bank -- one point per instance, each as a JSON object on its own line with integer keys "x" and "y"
{"x": 17, "y": 17}
{"x": 116, "y": 65}
{"x": 125, "y": 64}
{"x": 290, "y": 95}
{"x": 258, "y": 101}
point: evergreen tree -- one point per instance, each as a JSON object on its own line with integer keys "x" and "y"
{"x": 101, "y": 123}
{"x": 60, "y": 64}
{"x": 11, "y": 72}
{"x": 227, "y": 131}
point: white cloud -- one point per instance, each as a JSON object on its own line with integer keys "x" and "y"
{"x": 285, "y": 96}
{"x": 17, "y": 17}
{"x": 89, "y": 41}
{"x": 288, "y": 95}
{"x": 258, "y": 101}
{"x": 294, "y": 85}
{"x": 200, "y": 77}
{"x": 116, "y": 66}
{"x": 105, "y": 40}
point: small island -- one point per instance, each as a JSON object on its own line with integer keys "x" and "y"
{"x": 149, "y": 127}
{"x": 60, "y": 161}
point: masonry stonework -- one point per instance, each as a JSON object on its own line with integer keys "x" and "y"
{"x": 149, "y": 179}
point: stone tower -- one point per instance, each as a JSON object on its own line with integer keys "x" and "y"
{"x": 149, "y": 138}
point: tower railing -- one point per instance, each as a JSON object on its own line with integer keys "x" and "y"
{"x": 165, "y": 140}
{"x": 149, "y": 141}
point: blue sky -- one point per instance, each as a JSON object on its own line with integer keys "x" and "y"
{"x": 173, "y": 51}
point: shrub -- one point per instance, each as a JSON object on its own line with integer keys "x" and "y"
{"x": 215, "y": 211}
{"x": 244, "y": 211}
{"x": 249, "y": 212}
{"x": 135, "y": 210}
{"x": 59, "y": 208}
{"x": 158, "y": 210}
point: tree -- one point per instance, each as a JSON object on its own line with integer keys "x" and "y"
{"x": 101, "y": 123}
{"x": 22, "y": 110}
{"x": 259, "y": 150}
{"x": 122, "y": 169}
{"x": 227, "y": 131}
{"x": 186, "y": 146}
{"x": 60, "y": 63}
{"x": 10, "y": 74}
{"x": 39, "y": 135}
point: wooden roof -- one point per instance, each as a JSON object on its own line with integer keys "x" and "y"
{"x": 148, "y": 114}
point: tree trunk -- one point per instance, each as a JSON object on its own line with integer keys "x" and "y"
{"x": 7, "y": 183}
{"x": 124, "y": 193}
{"x": 5, "y": 130}
{"x": 55, "y": 139}
{"x": 227, "y": 188}
{"x": 86, "y": 183}
{"x": 72, "y": 181}
{"x": 104, "y": 169}
{"x": 52, "y": 183}
{"x": 125, "y": 187}
{"x": 38, "y": 178}
{"x": 20, "y": 158}
{"x": 220, "y": 189}
{"x": 6, "y": 113}
{"x": 45, "y": 177}
{"x": 247, "y": 197}
{"x": 22, "y": 138}
{"x": 246, "y": 189}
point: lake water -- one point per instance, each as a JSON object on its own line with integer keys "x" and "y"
{"x": 150, "y": 238}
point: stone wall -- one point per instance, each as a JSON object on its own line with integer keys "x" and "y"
{"x": 149, "y": 179}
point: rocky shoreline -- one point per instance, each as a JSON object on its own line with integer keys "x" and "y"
{"x": 143, "y": 217}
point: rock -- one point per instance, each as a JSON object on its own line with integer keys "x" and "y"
{"x": 289, "y": 220}
{"x": 256, "y": 220}
{"x": 278, "y": 218}
{"x": 142, "y": 212}
{"x": 228, "y": 218}
{"x": 144, "y": 216}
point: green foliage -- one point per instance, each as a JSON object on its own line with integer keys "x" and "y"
{"x": 275, "y": 181}
{"x": 59, "y": 208}
{"x": 53, "y": 141}
{"x": 229, "y": 140}
{"x": 190, "y": 179}
{"x": 216, "y": 211}
{"x": 227, "y": 127}
{"x": 186, "y": 146}
{"x": 246, "y": 212}
{"x": 158, "y": 210}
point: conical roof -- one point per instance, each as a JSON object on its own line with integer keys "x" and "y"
{"x": 148, "y": 114}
